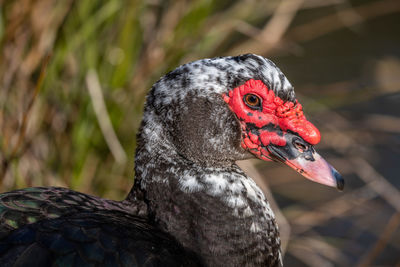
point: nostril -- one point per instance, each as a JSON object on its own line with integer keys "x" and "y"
{"x": 300, "y": 145}
{"x": 309, "y": 156}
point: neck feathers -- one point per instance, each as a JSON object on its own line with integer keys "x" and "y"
{"x": 217, "y": 211}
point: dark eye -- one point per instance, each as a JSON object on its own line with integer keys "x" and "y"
{"x": 299, "y": 145}
{"x": 252, "y": 101}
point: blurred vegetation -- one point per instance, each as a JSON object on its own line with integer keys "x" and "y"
{"x": 74, "y": 75}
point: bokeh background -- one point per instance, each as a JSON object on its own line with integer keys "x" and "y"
{"x": 74, "y": 74}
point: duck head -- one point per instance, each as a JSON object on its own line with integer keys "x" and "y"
{"x": 220, "y": 110}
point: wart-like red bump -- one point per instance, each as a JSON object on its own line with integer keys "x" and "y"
{"x": 285, "y": 115}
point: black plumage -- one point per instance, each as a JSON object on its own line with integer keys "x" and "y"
{"x": 97, "y": 238}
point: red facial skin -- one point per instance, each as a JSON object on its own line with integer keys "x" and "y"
{"x": 283, "y": 115}
{"x": 266, "y": 126}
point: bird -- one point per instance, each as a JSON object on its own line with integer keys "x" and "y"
{"x": 190, "y": 204}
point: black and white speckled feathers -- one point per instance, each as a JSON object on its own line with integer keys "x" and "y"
{"x": 191, "y": 205}
{"x": 185, "y": 163}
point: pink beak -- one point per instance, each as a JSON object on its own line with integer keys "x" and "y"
{"x": 302, "y": 157}
{"x": 319, "y": 171}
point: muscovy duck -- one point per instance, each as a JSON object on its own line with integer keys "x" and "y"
{"x": 190, "y": 205}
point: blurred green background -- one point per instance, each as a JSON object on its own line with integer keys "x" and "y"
{"x": 74, "y": 74}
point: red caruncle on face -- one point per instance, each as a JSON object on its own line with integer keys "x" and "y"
{"x": 272, "y": 118}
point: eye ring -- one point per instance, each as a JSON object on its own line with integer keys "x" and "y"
{"x": 252, "y": 101}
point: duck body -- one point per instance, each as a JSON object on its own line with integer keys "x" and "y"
{"x": 190, "y": 205}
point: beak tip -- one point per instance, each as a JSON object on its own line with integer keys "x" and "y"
{"x": 339, "y": 179}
